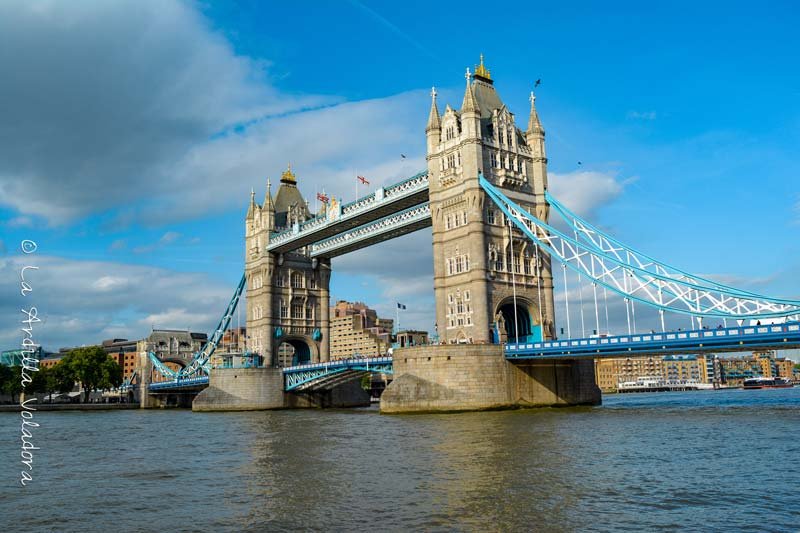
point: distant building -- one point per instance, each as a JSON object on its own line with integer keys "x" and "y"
{"x": 673, "y": 369}
{"x": 410, "y": 337}
{"x": 356, "y": 330}
{"x": 15, "y": 357}
{"x": 233, "y": 340}
{"x": 609, "y": 373}
{"x": 174, "y": 347}
{"x": 684, "y": 368}
{"x": 124, "y": 353}
{"x": 735, "y": 370}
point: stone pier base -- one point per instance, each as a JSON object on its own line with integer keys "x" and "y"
{"x": 478, "y": 377}
{"x": 253, "y": 389}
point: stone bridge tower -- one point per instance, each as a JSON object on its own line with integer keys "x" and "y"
{"x": 480, "y": 271}
{"x": 288, "y": 299}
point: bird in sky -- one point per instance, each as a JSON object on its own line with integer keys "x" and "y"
{"x": 402, "y": 156}
{"x": 537, "y": 83}
{"x": 580, "y": 163}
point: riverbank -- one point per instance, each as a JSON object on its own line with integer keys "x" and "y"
{"x": 14, "y": 408}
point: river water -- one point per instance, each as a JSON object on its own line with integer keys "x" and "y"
{"x": 707, "y": 461}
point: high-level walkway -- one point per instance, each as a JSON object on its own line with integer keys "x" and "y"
{"x": 384, "y": 203}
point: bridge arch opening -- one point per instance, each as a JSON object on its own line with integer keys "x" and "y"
{"x": 295, "y": 351}
{"x": 520, "y": 324}
{"x": 173, "y": 363}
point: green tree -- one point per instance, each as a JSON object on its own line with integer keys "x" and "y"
{"x": 13, "y": 385}
{"x": 112, "y": 374}
{"x": 38, "y": 381}
{"x": 92, "y": 368}
{"x": 6, "y": 375}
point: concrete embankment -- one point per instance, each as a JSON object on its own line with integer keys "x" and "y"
{"x": 13, "y": 408}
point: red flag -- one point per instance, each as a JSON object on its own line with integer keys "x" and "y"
{"x": 323, "y": 198}
{"x": 363, "y": 180}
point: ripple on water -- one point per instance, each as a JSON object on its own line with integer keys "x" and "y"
{"x": 708, "y": 461}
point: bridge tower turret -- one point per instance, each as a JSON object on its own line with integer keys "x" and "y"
{"x": 487, "y": 286}
{"x": 287, "y": 294}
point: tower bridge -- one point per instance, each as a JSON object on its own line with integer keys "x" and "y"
{"x": 485, "y": 194}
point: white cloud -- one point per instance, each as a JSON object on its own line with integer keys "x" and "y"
{"x": 83, "y": 302}
{"x": 642, "y": 115}
{"x": 585, "y": 191}
{"x": 20, "y": 222}
{"x": 107, "y": 97}
{"x": 402, "y": 270}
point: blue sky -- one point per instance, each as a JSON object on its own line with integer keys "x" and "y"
{"x": 134, "y": 131}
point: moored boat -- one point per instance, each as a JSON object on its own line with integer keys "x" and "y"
{"x": 767, "y": 383}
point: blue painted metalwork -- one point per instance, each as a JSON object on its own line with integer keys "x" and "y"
{"x": 301, "y": 376}
{"x": 741, "y": 338}
{"x": 178, "y": 384}
{"x": 409, "y": 192}
{"x": 605, "y": 243}
{"x": 390, "y": 226}
{"x": 654, "y": 288}
{"x": 199, "y": 363}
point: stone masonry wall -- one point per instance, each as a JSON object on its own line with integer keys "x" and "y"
{"x": 478, "y": 377}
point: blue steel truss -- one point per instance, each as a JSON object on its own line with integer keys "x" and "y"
{"x": 631, "y": 275}
{"x": 377, "y": 204}
{"x": 734, "y": 339}
{"x": 303, "y": 376}
{"x": 199, "y": 363}
{"x": 593, "y": 236}
{"x": 389, "y": 227}
{"x": 178, "y": 384}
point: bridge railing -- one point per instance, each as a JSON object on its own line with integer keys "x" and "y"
{"x": 410, "y": 185}
{"x": 179, "y": 383}
{"x": 645, "y": 340}
{"x": 337, "y": 363}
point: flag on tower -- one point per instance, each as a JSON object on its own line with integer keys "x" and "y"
{"x": 401, "y": 306}
{"x": 322, "y": 197}
{"x": 363, "y": 180}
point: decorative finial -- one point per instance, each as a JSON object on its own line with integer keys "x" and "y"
{"x": 252, "y": 192}
{"x": 269, "y": 185}
{"x": 288, "y": 176}
{"x": 433, "y": 93}
{"x": 532, "y": 98}
{"x": 482, "y": 72}
{"x": 468, "y": 75}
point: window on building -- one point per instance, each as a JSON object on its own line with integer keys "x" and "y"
{"x": 279, "y": 280}
{"x": 284, "y": 310}
{"x": 297, "y": 311}
{"x": 490, "y": 216}
{"x": 493, "y": 160}
{"x": 297, "y": 280}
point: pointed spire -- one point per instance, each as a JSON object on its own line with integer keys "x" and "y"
{"x": 268, "y": 204}
{"x": 534, "y": 124}
{"x": 434, "y": 121}
{"x": 469, "y": 104}
{"x": 251, "y": 211}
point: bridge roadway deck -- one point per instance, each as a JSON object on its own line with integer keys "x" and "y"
{"x": 377, "y": 205}
{"x": 733, "y": 339}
